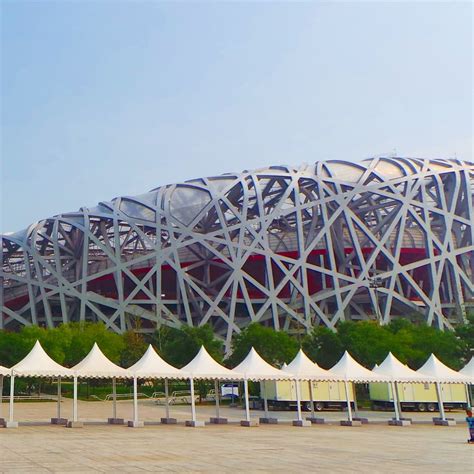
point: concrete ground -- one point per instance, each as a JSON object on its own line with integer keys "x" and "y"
{"x": 320, "y": 448}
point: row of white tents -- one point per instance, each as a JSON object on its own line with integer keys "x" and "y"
{"x": 253, "y": 368}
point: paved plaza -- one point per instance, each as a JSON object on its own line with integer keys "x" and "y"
{"x": 271, "y": 448}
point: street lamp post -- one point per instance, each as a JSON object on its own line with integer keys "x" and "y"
{"x": 375, "y": 283}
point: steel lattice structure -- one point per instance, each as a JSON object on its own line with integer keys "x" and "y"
{"x": 290, "y": 247}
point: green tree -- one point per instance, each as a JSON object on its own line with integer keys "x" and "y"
{"x": 465, "y": 335}
{"x": 323, "y": 346}
{"x": 12, "y": 348}
{"x": 443, "y": 344}
{"x": 416, "y": 342}
{"x": 179, "y": 346}
{"x": 367, "y": 341}
{"x": 276, "y": 347}
{"x": 84, "y": 335}
{"x": 15, "y": 346}
{"x": 134, "y": 347}
{"x": 67, "y": 344}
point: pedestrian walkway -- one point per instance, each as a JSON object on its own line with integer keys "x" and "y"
{"x": 277, "y": 448}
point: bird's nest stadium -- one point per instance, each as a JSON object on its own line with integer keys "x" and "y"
{"x": 289, "y": 247}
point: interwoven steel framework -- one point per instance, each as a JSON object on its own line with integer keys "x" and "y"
{"x": 287, "y": 246}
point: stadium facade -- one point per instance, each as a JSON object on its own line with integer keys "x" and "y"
{"x": 289, "y": 247}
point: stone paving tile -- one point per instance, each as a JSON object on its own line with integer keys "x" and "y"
{"x": 22, "y": 471}
{"x": 66, "y": 467}
{"x": 280, "y": 448}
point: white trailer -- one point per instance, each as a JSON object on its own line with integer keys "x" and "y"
{"x": 281, "y": 394}
{"x": 419, "y": 396}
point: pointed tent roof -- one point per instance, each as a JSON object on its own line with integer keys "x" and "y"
{"x": 203, "y": 366}
{"x": 253, "y": 367}
{"x": 434, "y": 368}
{"x": 38, "y": 364}
{"x": 96, "y": 365}
{"x": 4, "y": 371}
{"x": 304, "y": 369}
{"x": 349, "y": 369}
{"x": 468, "y": 370}
{"x": 399, "y": 372}
{"x": 151, "y": 365}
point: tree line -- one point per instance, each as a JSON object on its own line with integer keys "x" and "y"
{"x": 368, "y": 342}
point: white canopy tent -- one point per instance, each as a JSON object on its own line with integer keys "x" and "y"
{"x": 398, "y": 372}
{"x": 95, "y": 366}
{"x": 303, "y": 369}
{"x": 37, "y": 364}
{"x": 152, "y": 366}
{"x": 434, "y": 368}
{"x": 468, "y": 371}
{"x": 254, "y": 368}
{"x": 204, "y": 367}
{"x": 349, "y": 370}
{"x": 441, "y": 373}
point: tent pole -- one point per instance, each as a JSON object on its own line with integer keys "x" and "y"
{"x": 468, "y": 397}
{"x": 135, "y": 400}
{"x": 59, "y": 399}
{"x": 216, "y": 389}
{"x": 193, "y": 406}
{"x": 74, "y": 404}
{"x": 167, "y": 402}
{"x": 298, "y": 399}
{"x": 1, "y": 394}
{"x": 395, "y": 401}
{"x": 246, "y": 390}
{"x": 114, "y": 398}
{"x": 440, "y": 401}
{"x": 265, "y": 401}
{"x": 349, "y": 409}
{"x": 311, "y": 395}
{"x": 12, "y": 396}
{"x": 398, "y": 399}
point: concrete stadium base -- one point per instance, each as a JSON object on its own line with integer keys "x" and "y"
{"x": 218, "y": 421}
{"x": 301, "y": 423}
{"x": 268, "y": 421}
{"x": 399, "y": 422}
{"x": 169, "y": 421}
{"x": 135, "y": 424}
{"x": 249, "y": 424}
{"x": 11, "y": 424}
{"x": 75, "y": 424}
{"x": 350, "y": 423}
{"x": 446, "y": 422}
{"x": 195, "y": 424}
{"x": 115, "y": 421}
{"x": 59, "y": 421}
{"x": 315, "y": 421}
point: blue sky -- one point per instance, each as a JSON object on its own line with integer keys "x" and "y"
{"x": 109, "y": 98}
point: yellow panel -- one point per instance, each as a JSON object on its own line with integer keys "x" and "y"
{"x": 322, "y": 391}
{"x": 380, "y": 391}
{"x": 418, "y": 392}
